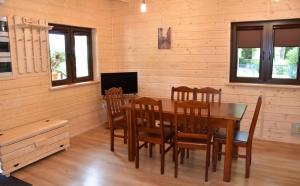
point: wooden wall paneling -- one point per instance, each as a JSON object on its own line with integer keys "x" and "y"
{"x": 26, "y": 97}
{"x": 200, "y": 54}
{"x": 28, "y": 50}
{"x": 20, "y": 47}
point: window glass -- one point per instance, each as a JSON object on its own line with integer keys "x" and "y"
{"x": 248, "y": 62}
{"x": 285, "y": 62}
{"x": 82, "y": 57}
{"x": 58, "y": 56}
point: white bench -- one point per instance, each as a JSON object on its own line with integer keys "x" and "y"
{"x": 29, "y": 143}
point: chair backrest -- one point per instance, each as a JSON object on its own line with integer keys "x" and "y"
{"x": 182, "y": 93}
{"x": 208, "y": 94}
{"x": 255, "y": 118}
{"x": 145, "y": 113}
{"x": 114, "y": 99}
{"x": 192, "y": 119}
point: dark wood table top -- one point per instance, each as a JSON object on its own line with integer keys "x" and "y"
{"x": 230, "y": 111}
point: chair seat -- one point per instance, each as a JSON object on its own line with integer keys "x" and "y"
{"x": 205, "y": 137}
{"x": 239, "y": 137}
{"x": 119, "y": 122}
{"x": 168, "y": 134}
{"x": 191, "y": 140}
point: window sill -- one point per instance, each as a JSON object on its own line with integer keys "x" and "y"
{"x": 263, "y": 85}
{"x": 74, "y": 85}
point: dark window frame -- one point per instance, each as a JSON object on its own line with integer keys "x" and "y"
{"x": 267, "y": 51}
{"x": 70, "y": 32}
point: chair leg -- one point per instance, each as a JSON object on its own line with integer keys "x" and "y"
{"x": 162, "y": 166}
{"x": 182, "y": 154}
{"x": 235, "y": 154}
{"x": 150, "y": 149}
{"x": 125, "y": 136}
{"x": 207, "y": 161}
{"x": 112, "y": 134}
{"x": 174, "y": 151}
{"x": 137, "y": 154}
{"x": 176, "y": 161}
{"x": 187, "y": 153}
{"x": 220, "y": 152}
{"x": 248, "y": 156}
{"x": 215, "y": 156}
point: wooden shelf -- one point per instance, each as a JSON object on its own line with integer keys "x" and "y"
{"x": 43, "y": 27}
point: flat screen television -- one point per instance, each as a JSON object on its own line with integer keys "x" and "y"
{"x": 127, "y": 80}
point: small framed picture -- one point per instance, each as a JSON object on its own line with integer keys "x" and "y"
{"x": 164, "y": 38}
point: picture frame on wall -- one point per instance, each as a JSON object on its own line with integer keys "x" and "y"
{"x": 164, "y": 38}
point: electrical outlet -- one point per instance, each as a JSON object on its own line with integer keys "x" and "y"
{"x": 295, "y": 128}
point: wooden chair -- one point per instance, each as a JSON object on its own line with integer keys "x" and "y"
{"x": 212, "y": 95}
{"x": 192, "y": 129}
{"x": 145, "y": 113}
{"x": 208, "y": 94}
{"x": 116, "y": 116}
{"x": 182, "y": 93}
{"x": 241, "y": 139}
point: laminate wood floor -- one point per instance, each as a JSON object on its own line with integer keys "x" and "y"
{"x": 89, "y": 162}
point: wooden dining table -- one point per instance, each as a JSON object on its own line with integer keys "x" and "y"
{"x": 222, "y": 115}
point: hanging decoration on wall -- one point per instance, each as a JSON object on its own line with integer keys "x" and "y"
{"x": 31, "y": 44}
{"x": 164, "y": 38}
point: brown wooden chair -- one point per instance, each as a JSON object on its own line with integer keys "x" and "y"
{"x": 148, "y": 119}
{"x": 192, "y": 129}
{"x": 116, "y": 116}
{"x": 182, "y": 93}
{"x": 212, "y": 95}
{"x": 241, "y": 139}
{"x": 208, "y": 94}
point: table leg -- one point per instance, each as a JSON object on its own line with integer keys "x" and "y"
{"x": 228, "y": 151}
{"x": 131, "y": 141}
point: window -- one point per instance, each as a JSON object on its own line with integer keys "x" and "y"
{"x": 266, "y": 52}
{"x": 70, "y": 54}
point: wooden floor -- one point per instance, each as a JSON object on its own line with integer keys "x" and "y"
{"x": 89, "y": 162}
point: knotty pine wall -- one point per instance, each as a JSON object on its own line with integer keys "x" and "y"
{"x": 200, "y": 53}
{"x": 27, "y": 98}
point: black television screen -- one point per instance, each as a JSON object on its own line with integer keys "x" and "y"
{"x": 127, "y": 80}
